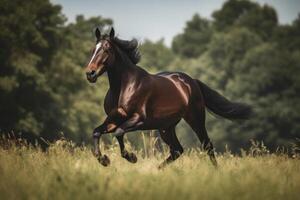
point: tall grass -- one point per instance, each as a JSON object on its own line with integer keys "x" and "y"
{"x": 68, "y": 172}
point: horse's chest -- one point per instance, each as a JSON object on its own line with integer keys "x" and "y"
{"x": 133, "y": 99}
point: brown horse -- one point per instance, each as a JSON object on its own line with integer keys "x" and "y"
{"x": 137, "y": 100}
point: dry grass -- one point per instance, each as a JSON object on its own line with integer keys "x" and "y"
{"x": 64, "y": 172}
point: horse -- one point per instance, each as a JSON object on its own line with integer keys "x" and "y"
{"x": 138, "y": 100}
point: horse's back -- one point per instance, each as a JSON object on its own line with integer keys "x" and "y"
{"x": 186, "y": 85}
{"x": 183, "y": 82}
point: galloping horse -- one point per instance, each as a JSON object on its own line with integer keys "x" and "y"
{"x": 137, "y": 100}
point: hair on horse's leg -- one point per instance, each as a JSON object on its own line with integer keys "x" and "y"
{"x": 170, "y": 138}
{"x": 196, "y": 119}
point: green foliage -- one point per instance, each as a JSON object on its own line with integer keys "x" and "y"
{"x": 155, "y": 55}
{"x": 30, "y": 35}
{"x": 231, "y": 11}
{"x": 259, "y": 19}
{"x": 42, "y": 83}
{"x": 193, "y": 42}
{"x": 287, "y": 36}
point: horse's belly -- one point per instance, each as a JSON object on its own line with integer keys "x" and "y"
{"x": 160, "y": 123}
{"x": 165, "y": 109}
{"x": 170, "y": 99}
{"x": 168, "y": 108}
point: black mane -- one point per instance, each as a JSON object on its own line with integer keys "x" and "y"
{"x": 130, "y": 47}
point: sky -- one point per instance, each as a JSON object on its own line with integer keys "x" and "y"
{"x": 156, "y": 19}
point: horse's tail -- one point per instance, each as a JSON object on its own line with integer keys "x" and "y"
{"x": 221, "y": 106}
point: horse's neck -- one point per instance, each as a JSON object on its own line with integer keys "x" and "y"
{"x": 118, "y": 76}
{"x": 114, "y": 78}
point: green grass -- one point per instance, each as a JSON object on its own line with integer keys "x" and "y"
{"x": 73, "y": 173}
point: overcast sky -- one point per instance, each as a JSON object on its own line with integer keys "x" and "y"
{"x": 155, "y": 19}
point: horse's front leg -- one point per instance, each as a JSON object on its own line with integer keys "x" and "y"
{"x": 131, "y": 157}
{"x": 104, "y": 128}
{"x": 131, "y": 124}
{"x": 110, "y": 124}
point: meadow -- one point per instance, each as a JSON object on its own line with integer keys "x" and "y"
{"x": 68, "y": 172}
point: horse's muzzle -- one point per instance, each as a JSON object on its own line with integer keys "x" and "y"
{"x": 91, "y": 76}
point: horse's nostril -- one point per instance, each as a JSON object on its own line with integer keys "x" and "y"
{"x": 91, "y": 73}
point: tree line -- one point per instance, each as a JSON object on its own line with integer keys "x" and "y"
{"x": 243, "y": 52}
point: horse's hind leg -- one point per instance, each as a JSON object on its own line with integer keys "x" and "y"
{"x": 170, "y": 138}
{"x": 196, "y": 119}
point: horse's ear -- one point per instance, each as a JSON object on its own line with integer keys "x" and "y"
{"x": 97, "y": 33}
{"x": 112, "y": 33}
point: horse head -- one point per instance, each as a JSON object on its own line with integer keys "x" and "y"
{"x": 102, "y": 57}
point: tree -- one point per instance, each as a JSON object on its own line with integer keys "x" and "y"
{"x": 30, "y": 34}
{"x": 230, "y": 12}
{"x": 244, "y": 68}
{"x": 193, "y": 42}
{"x": 155, "y": 55}
{"x": 226, "y": 51}
{"x": 42, "y": 82}
{"x": 271, "y": 83}
{"x": 287, "y": 36}
{"x": 259, "y": 19}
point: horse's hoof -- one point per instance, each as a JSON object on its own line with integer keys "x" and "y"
{"x": 104, "y": 160}
{"x": 214, "y": 163}
{"x": 96, "y": 154}
{"x": 131, "y": 157}
{"x": 161, "y": 166}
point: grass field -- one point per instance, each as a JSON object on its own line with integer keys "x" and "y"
{"x": 73, "y": 173}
